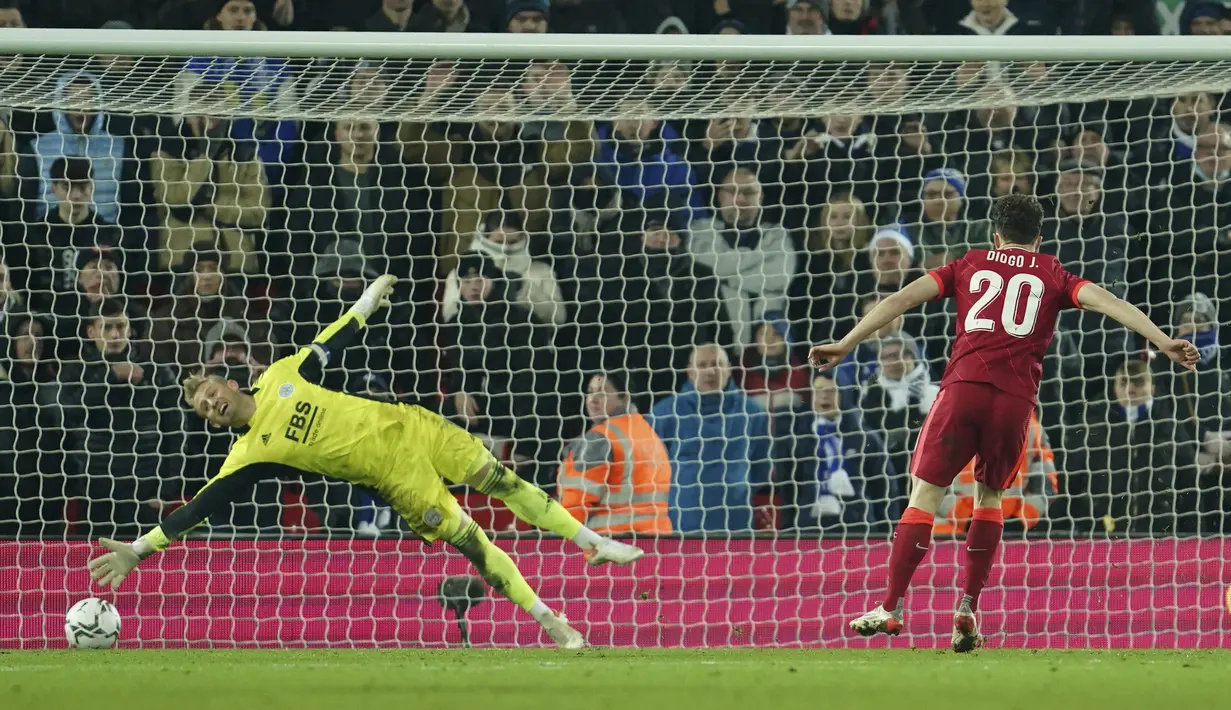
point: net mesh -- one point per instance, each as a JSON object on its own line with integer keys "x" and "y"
{"x": 678, "y": 226}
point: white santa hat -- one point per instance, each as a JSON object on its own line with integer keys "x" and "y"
{"x": 895, "y": 235}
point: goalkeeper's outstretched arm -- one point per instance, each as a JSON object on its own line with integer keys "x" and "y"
{"x": 221, "y": 491}
{"x": 326, "y": 349}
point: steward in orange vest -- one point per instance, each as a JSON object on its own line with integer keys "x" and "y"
{"x": 615, "y": 477}
{"x": 1025, "y": 500}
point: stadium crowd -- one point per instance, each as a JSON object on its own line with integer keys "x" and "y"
{"x": 601, "y": 301}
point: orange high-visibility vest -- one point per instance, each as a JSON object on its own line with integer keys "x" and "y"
{"x": 616, "y": 478}
{"x": 1019, "y": 500}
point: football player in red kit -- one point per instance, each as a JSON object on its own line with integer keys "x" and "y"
{"x": 1007, "y": 302}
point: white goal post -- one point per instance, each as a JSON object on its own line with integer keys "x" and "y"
{"x": 177, "y": 200}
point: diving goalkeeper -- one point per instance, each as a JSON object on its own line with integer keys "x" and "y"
{"x": 290, "y": 423}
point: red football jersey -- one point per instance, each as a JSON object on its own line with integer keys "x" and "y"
{"x": 1007, "y": 304}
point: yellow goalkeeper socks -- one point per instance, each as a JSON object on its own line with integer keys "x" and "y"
{"x": 534, "y": 506}
{"x": 496, "y": 567}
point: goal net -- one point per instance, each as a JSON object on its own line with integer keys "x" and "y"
{"x": 680, "y": 219}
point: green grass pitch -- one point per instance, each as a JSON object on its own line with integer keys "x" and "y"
{"x": 598, "y": 679}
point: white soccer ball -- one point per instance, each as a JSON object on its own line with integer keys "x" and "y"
{"x": 92, "y": 623}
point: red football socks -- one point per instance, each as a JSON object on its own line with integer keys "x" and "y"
{"x": 911, "y": 539}
{"x": 982, "y": 539}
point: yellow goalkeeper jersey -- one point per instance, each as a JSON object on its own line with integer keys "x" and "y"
{"x": 311, "y": 428}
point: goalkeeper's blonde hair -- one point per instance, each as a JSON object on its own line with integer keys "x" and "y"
{"x": 194, "y": 381}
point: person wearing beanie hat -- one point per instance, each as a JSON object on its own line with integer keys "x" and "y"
{"x": 729, "y": 26}
{"x": 1203, "y": 19}
{"x": 892, "y": 253}
{"x": 804, "y": 17}
{"x": 945, "y": 233}
{"x": 527, "y": 16}
{"x": 900, "y": 396}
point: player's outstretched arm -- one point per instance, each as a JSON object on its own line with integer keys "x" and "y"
{"x": 121, "y": 558}
{"x": 1093, "y": 297}
{"x": 919, "y": 291}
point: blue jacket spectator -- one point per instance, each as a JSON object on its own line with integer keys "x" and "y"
{"x": 259, "y": 83}
{"x": 719, "y": 445}
{"x": 646, "y": 163}
{"x": 84, "y": 135}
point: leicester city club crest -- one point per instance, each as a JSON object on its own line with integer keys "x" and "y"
{"x": 286, "y": 390}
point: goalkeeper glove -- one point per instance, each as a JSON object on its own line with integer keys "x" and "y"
{"x": 376, "y": 297}
{"x": 112, "y": 567}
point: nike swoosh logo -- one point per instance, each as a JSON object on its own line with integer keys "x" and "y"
{"x": 921, "y": 547}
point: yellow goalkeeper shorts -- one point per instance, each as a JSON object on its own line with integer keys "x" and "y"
{"x": 432, "y": 449}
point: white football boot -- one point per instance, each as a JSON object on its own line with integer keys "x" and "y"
{"x": 562, "y": 634}
{"x": 879, "y": 621}
{"x": 613, "y": 551}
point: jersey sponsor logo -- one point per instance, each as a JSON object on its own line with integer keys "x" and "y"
{"x": 300, "y": 428}
{"x": 286, "y": 390}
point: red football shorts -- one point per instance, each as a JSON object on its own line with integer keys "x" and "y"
{"x": 972, "y": 420}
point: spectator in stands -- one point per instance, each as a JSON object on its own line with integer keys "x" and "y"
{"x": 10, "y": 15}
{"x": 719, "y": 446}
{"x": 485, "y": 165}
{"x": 394, "y": 16}
{"x": 772, "y": 372}
{"x": 587, "y": 17}
{"x": 10, "y": 180}
{"x": 1172, "y": 143}
{"x": 617, "y": 476}
{"x": 853, "y": 17}
{"x": 715, "y": 145}
{"x": 972, "y": 137}
{"x": 754, "y": 257}
{"x": 123, "y": 425}
{"x": 945, "y": 230}
{"x": 904, "y": 150}
{"x": 642, "y": 155}
{"x": 31, "y": 475}
{"x": 661, "y": 302}
{"x": 859, "y": 368}
{"x": 841, "y": 476}
{"x": 892, "y": 254}
{"x": 97, "y": 277}
{"x": 993, "y": 18}
{"x": 822, "y": 299}
{"x": 1096, "y": 245}
{"x": 73, "y": 225}
{"x": 1189, "y": 244}
{"x": 246, "y": 81}
{"x": 207, "y": 302}
{"x": 1026, "y": 499}
{"x": 1011, "y": 173}
{"x": 1140, "y": 463}
{"x": 899, "y": 398}
{"x": 527, "y": 16}
{"x": 496, "y": 385}
{"x": 804, "y": 17}
{"x": 358, "y": 189}
{"x": 210, "y": 185}
{"x": 13, "y": 301}
{"x": 835, "y": 154}
{"x": 444, "y": 16}
{"x": 506, "y": 245}
{"x": 105, "y": 139}
{"x": 1202, "y": 18}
